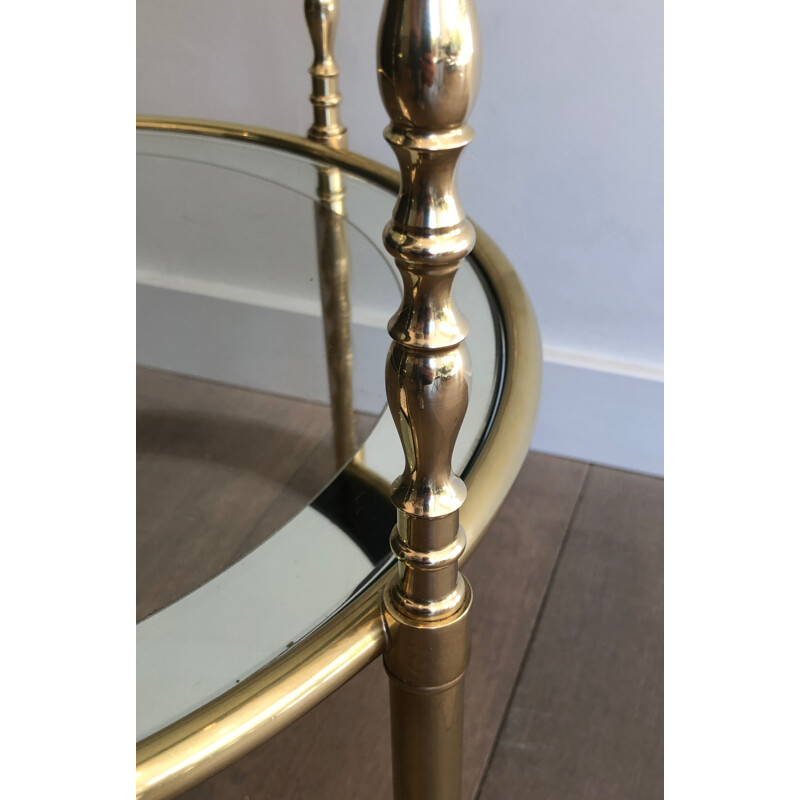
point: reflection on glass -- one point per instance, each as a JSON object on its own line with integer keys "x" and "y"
{"x": 333, "y": 258}
{"x": 244, "y": 362}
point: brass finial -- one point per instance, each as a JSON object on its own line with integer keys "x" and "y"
{"x": 322, "y": 17}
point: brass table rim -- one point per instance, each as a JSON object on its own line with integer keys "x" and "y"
{"x": 207, "y": 740}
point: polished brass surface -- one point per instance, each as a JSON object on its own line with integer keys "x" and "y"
{"x": 333, "y": 263}
{"x": 428, "y": 54}
{"x": 322, "y": 17}
{"x": 333, "y": 257}
{"x": 211, "y": 738}
{"x": 427, "y": 702}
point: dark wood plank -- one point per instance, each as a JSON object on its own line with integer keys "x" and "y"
{"x": 509, "y": 574}
{"x": 586, "y": 720}
{"x": 341, "y": 748}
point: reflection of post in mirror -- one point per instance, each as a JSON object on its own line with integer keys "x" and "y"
{"x": 333, "y": 258}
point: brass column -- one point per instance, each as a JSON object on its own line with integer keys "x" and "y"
{"x": 333, "y": 254}
{"x": 428, "y": 61}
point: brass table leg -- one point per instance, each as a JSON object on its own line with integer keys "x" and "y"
{"x": 333, "y": 255}
{"x": 428, "y": 58}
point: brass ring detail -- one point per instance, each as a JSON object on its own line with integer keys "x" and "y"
{"x": 437, "y": 610}
{"x": 432, "y": 560}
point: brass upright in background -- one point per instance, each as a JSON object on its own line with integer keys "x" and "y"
{"x": 322, "y": 17}
{"x": 333, "y": 254}
{"x": 428, "y": 63}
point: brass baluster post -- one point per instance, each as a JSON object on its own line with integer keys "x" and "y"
{"x": 333, "y": 254}
{"x": 428, "y": 64}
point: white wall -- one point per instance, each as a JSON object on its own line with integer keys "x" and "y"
{"x": 565, "y": 172}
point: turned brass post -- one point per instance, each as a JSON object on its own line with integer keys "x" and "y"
{"x": 428, "y": 62}
{"x": 333, "y": 254}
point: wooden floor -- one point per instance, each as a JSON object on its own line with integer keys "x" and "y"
{"x": 564, "y": 695}
{"x": 209, "y": 487}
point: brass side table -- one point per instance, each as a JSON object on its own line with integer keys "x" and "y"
{"x": 247, "y": 240}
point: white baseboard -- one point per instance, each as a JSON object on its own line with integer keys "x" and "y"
{"x": 229, "y": 341}
{"x": 599, "y": 411}
{"x": 591, "y": 409}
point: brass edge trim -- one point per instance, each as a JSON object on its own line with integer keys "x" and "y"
{"x": 212, "y": 737}
{"x": 496, "y": 468}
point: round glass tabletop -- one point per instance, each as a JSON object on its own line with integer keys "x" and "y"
{"x": 264, "y": 448}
